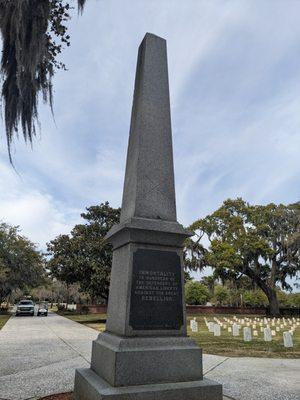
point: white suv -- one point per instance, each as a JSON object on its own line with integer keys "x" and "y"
{"x": 25, "y": 307}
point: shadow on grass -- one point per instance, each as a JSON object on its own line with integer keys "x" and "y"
{"x": 92, "y": 321}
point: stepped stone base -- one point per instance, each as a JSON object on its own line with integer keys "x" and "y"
{"x": 89, "y": 386}
{"x": 136, "y": 361}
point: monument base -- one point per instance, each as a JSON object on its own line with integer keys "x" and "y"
{"x": 89, "y": 386}
{"x": 133, "y": 361}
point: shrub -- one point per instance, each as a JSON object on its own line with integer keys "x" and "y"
{"x": 221, "y": 294}
{"x": 84, "y": 310}
{"x": 61, "y": 307}
{"x": 255, "y": 298}
{"x": 294, "y": 300}
{"x": 283, "y": 298}
{"x": 196, "y": 293}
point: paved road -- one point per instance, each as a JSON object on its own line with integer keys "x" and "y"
{"x": 38, "y": 356}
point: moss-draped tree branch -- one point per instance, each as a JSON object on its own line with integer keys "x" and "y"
{"x": 34, "y": 33}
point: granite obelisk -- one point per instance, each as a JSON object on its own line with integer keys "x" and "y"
{"x": 145, "y": 353}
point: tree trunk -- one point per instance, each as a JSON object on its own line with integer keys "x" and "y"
{"x": 273, "y": 302}
{"x": 269, "y": 290}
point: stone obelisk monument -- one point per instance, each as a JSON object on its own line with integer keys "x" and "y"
{"x": 145, "y": 353}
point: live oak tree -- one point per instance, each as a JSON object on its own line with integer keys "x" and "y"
{"x": 260, "y": 242}
{"x": 34, "y": 32}
{"x": 84, "y": 256}
{"x": 21, "y": 264}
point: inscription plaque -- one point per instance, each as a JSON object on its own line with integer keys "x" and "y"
{"x": 156, "y": 292}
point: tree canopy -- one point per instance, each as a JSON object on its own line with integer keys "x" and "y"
{"x": 260, "y": 242}
{"x": 34, "y": 33}
{"x": 21, "y": 264}
{"x": 84, "y": 256}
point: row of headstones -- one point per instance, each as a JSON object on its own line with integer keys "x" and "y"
{"x": 254, "y": 327}
{"x": 235, "y": 328}
{"x": 215, "y": 328}
{"x": 294, "y": 323}
{"x": 281, "y": 323}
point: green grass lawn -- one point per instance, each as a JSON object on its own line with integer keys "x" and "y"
{"x": 95, "y": 321}
{"x": 225, "y": 345}
{"x": 234, "y": 346}
{"x": 3, "y": 319}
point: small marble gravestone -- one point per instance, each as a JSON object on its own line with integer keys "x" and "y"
{"x": 211, "y": 326}
{"x": 287, "y": 339}
{"x": 145, "y": 352}
{"x": 194, "y": 326}
{"x": 247, "y": 334}
{"x": 217, "y": 330}
{"x": 235, "y": 330}
{"x": 267, "y": 335}
{"x": 192, "y": 321}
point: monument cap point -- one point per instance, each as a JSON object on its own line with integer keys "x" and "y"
{"x": 150, "y": 35}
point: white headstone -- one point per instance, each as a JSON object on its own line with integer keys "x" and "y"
{"x": 229, "y": 329}
{"x": 287, "y": 339}
{"x": 267, "y": 335}
{"x": 194, "y": 326}
{"x": 235, "y": 330}
{"x": 255, "y": 333}
{"x": 211, "y": 326}
{"x": 247, "y": 334}
{"x": 217, "y": 330}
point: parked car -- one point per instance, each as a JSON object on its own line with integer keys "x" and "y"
{"x": 42, "y": 309}
{"x": 25, "y": 307}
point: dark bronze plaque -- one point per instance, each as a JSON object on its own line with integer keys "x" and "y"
{"x": 156, "y": 292}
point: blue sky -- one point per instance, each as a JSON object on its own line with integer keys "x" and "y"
{"x": 235, "y": 101}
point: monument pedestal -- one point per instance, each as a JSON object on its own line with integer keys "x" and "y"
{"x": 131, "y": 361}
{"x": 145, "y": 353}
{"x": 149, "y": 368}
{"x": 88, "y": 385}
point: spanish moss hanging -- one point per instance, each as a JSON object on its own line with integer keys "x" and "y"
{"x": 33, "y": 34}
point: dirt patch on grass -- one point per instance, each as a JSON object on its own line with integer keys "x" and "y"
{"x": 60, "y": 396}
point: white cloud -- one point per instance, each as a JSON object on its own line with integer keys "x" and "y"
{"x": 39, "y": 216}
